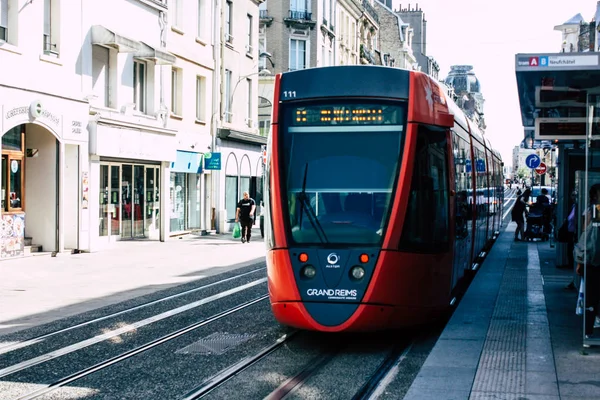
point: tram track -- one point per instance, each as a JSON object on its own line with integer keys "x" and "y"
{"x": 125, "y": 329}
{"x": 385, "y": 373}
{"x": 220, "y": 378}
{"x": 131, "y": 353}
{"x": 38, "y": 339}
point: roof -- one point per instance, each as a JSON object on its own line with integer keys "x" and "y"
{"x": 575, "y": 20}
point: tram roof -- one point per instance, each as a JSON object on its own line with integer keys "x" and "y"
{"x": 553, "y": 89}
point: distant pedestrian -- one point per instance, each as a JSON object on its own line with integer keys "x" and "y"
{"x": 245, "y": 215}
{"x": 517, "y": 214}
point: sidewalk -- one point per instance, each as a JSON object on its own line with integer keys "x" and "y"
{"x": 514, "y": 335}
{"x": 37, "y": 290}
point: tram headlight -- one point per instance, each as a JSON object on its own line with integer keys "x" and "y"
{"x": 357, "y": 272}
{"x": 309, "y": 271}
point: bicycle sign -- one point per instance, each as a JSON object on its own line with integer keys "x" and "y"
{"x": 533, "y": 161}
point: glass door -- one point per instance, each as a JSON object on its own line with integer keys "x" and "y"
{"x": 138, "y": 201}
{"x": 126, "y": 201}
{"x": 104, "y": 219}
{"x": 114, "y": 212}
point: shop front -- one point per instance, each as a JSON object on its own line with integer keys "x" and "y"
{"x": 130, "y": 177}
{"x": 186, "y": 193}
{"x": 129, "y": 201}
{"x": 43, "y": 171}
{"x": 242, "y": 172}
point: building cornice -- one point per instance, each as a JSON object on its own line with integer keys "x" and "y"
{"x": 44, "y": 93}
{"x": 196, "y": 62}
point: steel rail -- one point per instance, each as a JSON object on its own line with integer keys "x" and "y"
{"x": 117, "y": 332}
{"x": 38, "y": 339}
{"x": 126, "y": 355}
{"x": 212, "y": 383}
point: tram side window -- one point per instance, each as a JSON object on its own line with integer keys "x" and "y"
{"x": 426, "y": 223}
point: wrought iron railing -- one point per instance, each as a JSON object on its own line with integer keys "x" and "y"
{"x": 369, "y": 9}
{"x": 263, "y": 14}
{"x": 301, "y": 15}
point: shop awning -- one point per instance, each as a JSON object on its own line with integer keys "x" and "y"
{"x": 105, "y": 37}
{"x": 155, "y": 55}
{"x": 239, "y": 136}
{"x": 553, "y": 92}
{"x": 187, "y": 162}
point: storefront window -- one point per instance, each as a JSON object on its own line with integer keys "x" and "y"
{"x": 12, "y": 175}
{"x": 13, "y": 139}
{"x": 194, "y": 201}
{"x": 231, "y": 196}
{"x": 178, "y": 194}
{"x": 12, "y": 169}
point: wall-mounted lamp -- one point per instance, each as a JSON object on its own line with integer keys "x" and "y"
{"x": 268, "y": 56}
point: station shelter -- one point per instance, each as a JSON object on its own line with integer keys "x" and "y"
{"x": 559, "y": 96}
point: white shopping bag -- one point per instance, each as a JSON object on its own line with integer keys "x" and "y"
{"x": 580, "y": 299}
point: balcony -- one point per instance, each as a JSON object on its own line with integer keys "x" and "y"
{"x": 301, "y": 19}
{"x": 264, "y": 17}
{"x": 370, "y": 10}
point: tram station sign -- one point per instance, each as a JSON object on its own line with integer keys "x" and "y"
{"x": 555, "y": 90}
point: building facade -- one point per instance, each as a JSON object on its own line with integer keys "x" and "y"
{"x": 237, "y": 137}
{"x": 126, "y": 74}
{"x": 348, "y": 16}
{"x": 415, "y": 17}
{"x": 190, "y": 40}
{"x": 45, "y": 167}
{"x": 396, "y": 39}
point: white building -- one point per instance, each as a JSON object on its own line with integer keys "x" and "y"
{"x": 237, "y": 135}
{"x": 125, "y": 73}
{"x": 348, "y": 16}
{"x": 190, "y": 39}
{"x": 45, "y": 168}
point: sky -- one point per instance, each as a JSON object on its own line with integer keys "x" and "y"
{"x": 487, "y": 34}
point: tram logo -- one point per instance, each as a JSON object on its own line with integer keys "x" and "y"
{"x": 333, "y": 258}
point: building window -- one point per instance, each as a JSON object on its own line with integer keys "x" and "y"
{"x": 228, "y": 25}
{"x": 4, "y": 20}
{"x": 12, "y": 169}
{"x": 231, "y": 196}
{"x": 204, "y": 19}
{"x": 178, "y": 13}
{"x": 176, "y": 91}
{"x": 51, "y": 27}
{"x": 100, "y": 75}
{"x": 264, "y": 127}
{"x": 139, "y": 85}
{"x": 297, "y": 54}
{"x": 249, "y": 121}
{"x": 200, "y": 98}
{"x": 249, "y": 35}
{"x": 228, "y": 112}
{"x": 299, "y": 5}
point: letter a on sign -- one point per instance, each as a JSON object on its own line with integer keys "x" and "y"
{"x": 533, "y": 62}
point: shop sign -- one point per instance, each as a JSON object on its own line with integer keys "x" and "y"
{"x": 34, "y": 111}
{"x": 212, "y": 161}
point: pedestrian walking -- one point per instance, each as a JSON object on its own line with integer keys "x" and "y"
{"x": 245, "y": 215}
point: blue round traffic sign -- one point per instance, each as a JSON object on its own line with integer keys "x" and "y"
{"x": 533, "y": 161}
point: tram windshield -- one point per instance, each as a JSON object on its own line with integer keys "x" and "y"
{"x": 340, "y": 165}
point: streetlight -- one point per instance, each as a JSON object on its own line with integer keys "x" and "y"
{"x": 267, "y": 55}
{"x": 262, "y": 72}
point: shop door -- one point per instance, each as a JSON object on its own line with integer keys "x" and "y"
{"x": 110, "y": 204}
{"x": 152, "y": 203}
{"x": 139, "y": 196}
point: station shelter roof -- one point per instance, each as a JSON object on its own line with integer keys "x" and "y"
{"x": 553, "y": 93}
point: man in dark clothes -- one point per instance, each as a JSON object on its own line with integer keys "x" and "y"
{"x": 245, "y": 215}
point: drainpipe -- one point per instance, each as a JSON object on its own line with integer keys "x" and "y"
{"x": 216, "y": 106}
